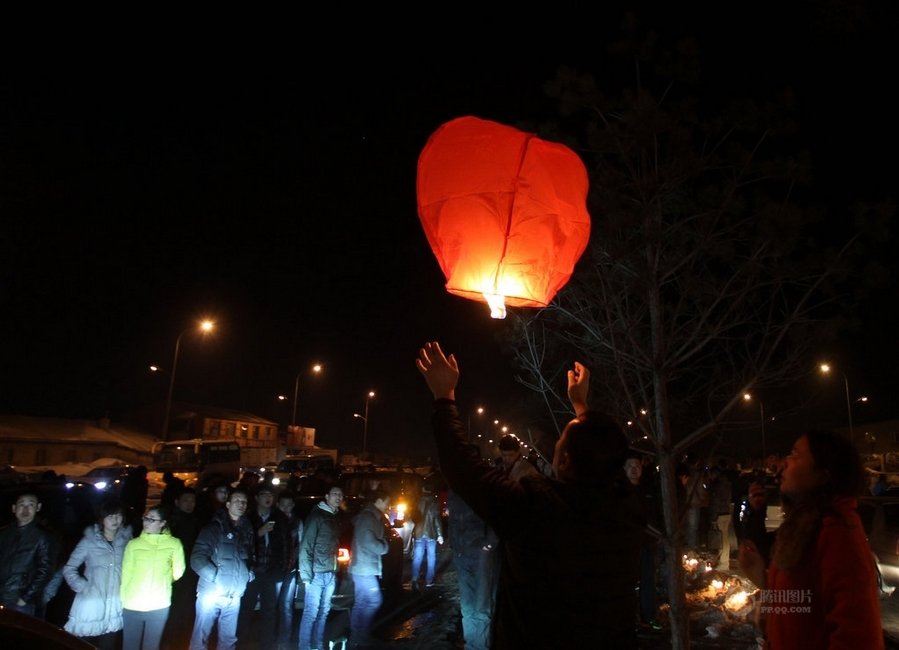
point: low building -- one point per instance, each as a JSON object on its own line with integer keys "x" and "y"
{"x": 36, "y": 441}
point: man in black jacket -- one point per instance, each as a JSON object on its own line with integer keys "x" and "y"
{"x": 426, "y": 535}
{"x": 475, "y": 555}
{"x": 571, "y": 545}
{"x": 25, "y": 561}
{"x": 271, "y": 536}
{"x": 222, "y": 557}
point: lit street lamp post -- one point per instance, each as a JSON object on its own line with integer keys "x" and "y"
{"x": 364, "y": 419}
{"x": 825, "y": 369}
{"x": 317, "y": 368}
{"x": 748, "y": 397}
{"x": 205, "y": 327}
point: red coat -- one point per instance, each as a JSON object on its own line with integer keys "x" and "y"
{"x": 832, "y": 593}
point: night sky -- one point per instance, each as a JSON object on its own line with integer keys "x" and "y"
{"x": 276, "y": 195}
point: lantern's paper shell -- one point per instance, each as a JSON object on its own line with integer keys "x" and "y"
{"x": 504, "y": 211}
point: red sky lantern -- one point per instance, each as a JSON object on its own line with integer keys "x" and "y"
{"x": 504, "y": 212}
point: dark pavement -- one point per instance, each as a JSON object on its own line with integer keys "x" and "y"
{"x": 431, "y": 620}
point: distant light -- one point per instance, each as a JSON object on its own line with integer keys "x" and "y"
{"x": 154, "y": 368}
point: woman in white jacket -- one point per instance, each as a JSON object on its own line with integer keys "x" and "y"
{"x": 96, "y": 612}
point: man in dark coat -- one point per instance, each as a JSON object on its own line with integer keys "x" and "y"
{"x": 185, "y": 525}
{"x": 318, "y": 567}
{"x": 475, "y": 556}
{"x": 570, "y": 545}
{"x": 271, "y": 536}
{"x": 368, "y": 546}
{"x": 25, "y": 561}
{"x": 222, "y": 557}
{"x": 426, "y": 535}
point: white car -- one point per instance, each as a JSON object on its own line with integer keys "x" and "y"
{"x": 105, "y": 478}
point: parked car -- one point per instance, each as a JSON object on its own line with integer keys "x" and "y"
{"x": 880, "y": 517}
{"x": 293, "y": 468}
{"x": 66, "y": 508}
{"x": 106, "y": 478}
{"x": 22, "y": 631}
{"x": 9, "y": 474}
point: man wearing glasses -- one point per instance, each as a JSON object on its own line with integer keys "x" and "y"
{"x": 222, "y": 556}
{"x": 318, "y": 567}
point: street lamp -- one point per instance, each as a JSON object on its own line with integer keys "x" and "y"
{"x": 748, "y": 397}
{"x": 825, "y": 370}
{"x": 479, "y": 411}
{"x": 205, "y": 327}
{"x": 317, "y": 368}
{"x": 364, "y": 419}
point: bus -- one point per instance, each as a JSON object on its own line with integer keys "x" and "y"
{"x": 196, "y": 462}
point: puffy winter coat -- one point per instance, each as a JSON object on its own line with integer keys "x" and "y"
{"x": 97, "y": 608}
{"x": 222, "y": 556}
{"x": 150, "y": 565}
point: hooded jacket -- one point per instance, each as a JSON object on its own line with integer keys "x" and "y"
{"x": 321, "y": 538}
{"x": 97, "y": 608}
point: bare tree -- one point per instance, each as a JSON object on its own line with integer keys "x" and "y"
{"x": 702, "y": 281}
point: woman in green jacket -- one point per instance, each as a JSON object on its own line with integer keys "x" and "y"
{"x": 152, "y": 562}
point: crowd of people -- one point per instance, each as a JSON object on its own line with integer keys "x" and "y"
{"x": 224, "y": 567}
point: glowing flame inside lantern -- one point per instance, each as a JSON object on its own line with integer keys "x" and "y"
{"x": 497, "y": 305}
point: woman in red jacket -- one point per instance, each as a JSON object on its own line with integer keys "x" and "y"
{"x": 820, "y": 590}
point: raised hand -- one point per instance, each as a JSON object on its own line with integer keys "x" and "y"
{"x": 578, "y": 387}
{"x": 440, "y": 372}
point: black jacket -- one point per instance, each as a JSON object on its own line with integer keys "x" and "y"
{"x": 222, "y": 555}
{"x": 271, "y": 556}
{"x": 570, "y": 551}
{"x": 427, "y": 518}
{"x": 321, "y": 538}
{"x": 25, "y": 563}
